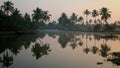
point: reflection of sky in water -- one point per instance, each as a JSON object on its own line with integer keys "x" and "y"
{"x": 64, "y": 57}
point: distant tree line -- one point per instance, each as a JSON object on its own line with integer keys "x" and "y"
{"x": 12, "y": 20}
{"x": 94, "y": 21}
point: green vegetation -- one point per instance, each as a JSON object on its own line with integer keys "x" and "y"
{"x": 11, "y": 20}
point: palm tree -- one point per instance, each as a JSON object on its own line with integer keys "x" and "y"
{"x": 80, "y": 19}
{"x": 87, "y": 12}
{"x": 40, "y": 49}
{"x": 86, "y": 50}
{"x": 39, "y": 15}
{"x": 105, "y": 14}
{"x": 7, "y": 7}
{"x": 46, "y": 16}
{"x": 16, "y": 13}
{"x": 95, "y": 14}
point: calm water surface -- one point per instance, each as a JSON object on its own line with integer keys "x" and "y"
{"x": 59, "y": 50}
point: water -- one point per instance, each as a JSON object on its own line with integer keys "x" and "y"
{"x": 59, "y": 50}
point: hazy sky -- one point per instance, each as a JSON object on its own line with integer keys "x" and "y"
{"x": 56, "y": 7}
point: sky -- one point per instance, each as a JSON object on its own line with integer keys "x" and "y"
{"x": 56, "y": 7}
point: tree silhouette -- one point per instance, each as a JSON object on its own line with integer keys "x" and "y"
{"x": 7, "y": 7}
{"x": 39, "y": 15}
{"x": 105, "y": 14}
{"x": 73, "y": 18}
{"x": 16, "y": 13}
{"x": 87, "y": 12}
{"x": 80, "y": 19}
{"x": 6, "y": 59}
{"x": 104, "y": 50}
{"x": 40, "y": 49}
{"x": 63, "y": 20}
{"x": 95, "y": 14}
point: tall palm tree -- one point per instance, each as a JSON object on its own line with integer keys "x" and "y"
{"x": 7, "y": 7}
{"x": 105, "y": 14}
{"x": 87, "y": 12}
{"x": 39, "y": 15}
{"x": 95, "y": 14}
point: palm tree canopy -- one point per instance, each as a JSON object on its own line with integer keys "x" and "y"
{"x": 95, "y": 13}
{"x": 40, "y": 15}
{"x": 46, "y": 16}
{"x": 105, "y": 14}
{"x": 86, "y": 12}
{"x": 8, "y": 6}
{"x": 16, "y": 13}
{"x": 37, "y": 14}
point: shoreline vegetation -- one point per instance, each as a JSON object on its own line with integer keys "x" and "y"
{"x": 13, "y": 22}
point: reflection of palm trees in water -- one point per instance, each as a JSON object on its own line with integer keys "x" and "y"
{"x": 74, "y": 42}
{"x": 104, "y": 50}
{"x": 40, "y": 49}
{"x": 6, "y": 59}
{"x": 86, "y": 50}
{"x": 94, "y": 48}
{"x": 63, "y": 39}
{"x": 70, "y": 38}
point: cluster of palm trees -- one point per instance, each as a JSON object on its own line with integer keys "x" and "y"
{"x": 11, "y": 14}
{"x": 10, "y": 17}
{"x": 104, "y": 13}
{"x": 99, "y": 17}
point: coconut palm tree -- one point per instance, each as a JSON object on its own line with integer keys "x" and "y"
{"x": 94, "y": 15}
{"x": 7, "y": 7}
{"x": 40, "y": 49}
{"x": 105, "y": 14}
{"x": 16, "y": 13}
{"x": 87, "y": 12}
{"x": 39, "y": 15}
{"x": 46, "y": 16}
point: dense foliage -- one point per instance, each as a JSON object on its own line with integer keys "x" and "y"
{"x": 12, "y": 20}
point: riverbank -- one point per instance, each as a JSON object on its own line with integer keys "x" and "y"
{"x": 36, "y": 31}
{"x": 17, "y": 32}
